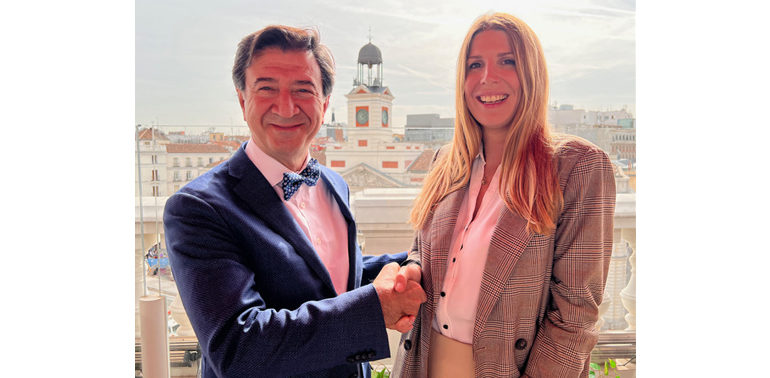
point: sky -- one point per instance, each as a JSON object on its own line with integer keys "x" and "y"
{"x": 185, "y": 51}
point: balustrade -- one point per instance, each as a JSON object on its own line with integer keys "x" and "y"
{"x": 617, "y": 311}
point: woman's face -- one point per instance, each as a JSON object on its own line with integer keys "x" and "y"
{"x": 492, "y": 88}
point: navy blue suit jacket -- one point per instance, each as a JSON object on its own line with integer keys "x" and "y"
{"x": 260, "y": 300}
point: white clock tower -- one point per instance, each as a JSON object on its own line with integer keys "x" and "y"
{"x": 370, "y": 103}
{"x": 371, "y": 156}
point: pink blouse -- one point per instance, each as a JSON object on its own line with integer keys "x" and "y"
{"x": 458, "y": 301}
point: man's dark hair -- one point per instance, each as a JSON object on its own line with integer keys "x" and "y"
{"x": 285, "y": 38}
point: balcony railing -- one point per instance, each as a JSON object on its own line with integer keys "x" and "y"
{"x": 385, "y": 231}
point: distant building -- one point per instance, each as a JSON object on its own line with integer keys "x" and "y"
{"x": 566, "y": 119}
{"x": 613, "y": 131}
{"x": 186, "y": 161}
{"x": 164, "y": 167}
{"x": 150, "y": 175}
{"x": 429, "y": 129}
{"x": 182, "y": 137}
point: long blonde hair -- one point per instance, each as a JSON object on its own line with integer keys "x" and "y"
{"x": 528, "y": 179}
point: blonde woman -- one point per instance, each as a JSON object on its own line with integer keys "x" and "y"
{"x": 513, "y": 225}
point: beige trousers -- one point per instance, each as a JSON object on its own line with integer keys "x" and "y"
{"x": 449, "y": 358}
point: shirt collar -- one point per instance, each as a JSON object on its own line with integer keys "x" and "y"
{"x": 270, "y": 168}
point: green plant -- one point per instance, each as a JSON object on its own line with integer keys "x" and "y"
{"x": 609, "y": 365}
{"x": 383, "y": 373}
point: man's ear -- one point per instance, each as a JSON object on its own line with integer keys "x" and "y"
{"x": 326, "y": 103}
{"x": 241, "y": 101}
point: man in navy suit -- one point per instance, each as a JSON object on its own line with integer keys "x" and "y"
{"x": 263, "y": 246}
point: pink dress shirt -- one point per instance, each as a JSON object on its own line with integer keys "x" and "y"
{"x": 317, "y": 213}
{"x": 458, "y": 301}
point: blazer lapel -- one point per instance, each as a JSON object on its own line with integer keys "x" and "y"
{"x": 255, "y": 190}
{"x": 443, "y": 225}
{"x": 509, "y": 239}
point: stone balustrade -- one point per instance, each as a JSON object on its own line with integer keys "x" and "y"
{"x": 381, "y": 216}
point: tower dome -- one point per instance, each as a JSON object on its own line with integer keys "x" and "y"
{"x": 369, "y": 66}
{"x": 369, "y": 54}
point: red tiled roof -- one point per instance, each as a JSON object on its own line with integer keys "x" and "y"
{"x": 226, "y": 143}
{"x": 422, "y": 162}
{"x": 147, "y": 134}
{"x": 188, "y": 148}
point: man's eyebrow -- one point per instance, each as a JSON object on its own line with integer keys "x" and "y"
{"x": 272, "y": 80}
{"x": 305, "y": 82}
{"x": 264, "y": 79}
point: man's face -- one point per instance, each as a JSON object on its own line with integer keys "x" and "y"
{"x": 283, "y": 103}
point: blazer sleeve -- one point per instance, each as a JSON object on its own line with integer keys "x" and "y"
{"x": 374, "y": 263}
{"x": 239, "y": 332}
{"x": 583, "y": 246}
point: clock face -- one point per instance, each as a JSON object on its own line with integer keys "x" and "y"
{"x": 384, "y": 116}
{"x": 362, "y": 116}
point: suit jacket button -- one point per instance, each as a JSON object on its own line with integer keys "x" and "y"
{"x": 372, "y": 354}
{"x": 354, "y": 375}
{"x": 408, "y": 344}
{"x": 521, "y": 344}
{"x": 351, "y": 359}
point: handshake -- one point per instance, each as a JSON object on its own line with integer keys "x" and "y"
{"x": 400, "y": 295}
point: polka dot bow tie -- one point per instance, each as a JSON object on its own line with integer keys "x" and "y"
{"x": 292, "y": 181}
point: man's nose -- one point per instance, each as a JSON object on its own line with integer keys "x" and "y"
{"x": 284, "y": 105}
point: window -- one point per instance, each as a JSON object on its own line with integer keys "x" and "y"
{"x": 338, "y": 163}
{"x": 390, "y": 164}
{"x": 188, "y": 162}
{"x": 176, "y": 162}
{"x": 211, "y": 160}
{"x": 363, "y": 143}
{"x": 200, "y": 161}
{"x": 189, "y": 175}
{"x": 155, "y": 191}
{"x": 176, "y": 175}
{"x": 155, "y": 175}
{"x": 154, "y": 159}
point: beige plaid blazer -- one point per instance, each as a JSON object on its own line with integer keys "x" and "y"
{"x": 539, "y": 294}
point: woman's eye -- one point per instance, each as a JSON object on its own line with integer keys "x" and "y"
{"x": 474, "y": 65}
{"x": 509, "y": 61}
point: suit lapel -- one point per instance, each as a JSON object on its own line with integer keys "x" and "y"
{"x": 509, "y": 239}
{"x": 443, "y": 225}
{"x": 255, "y": 190}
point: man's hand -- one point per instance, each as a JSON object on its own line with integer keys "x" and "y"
{"x": 399, "y": 308}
